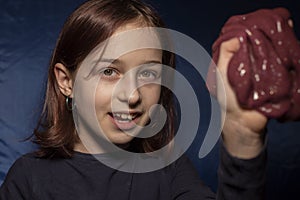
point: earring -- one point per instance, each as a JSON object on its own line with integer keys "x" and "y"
{"x": 69, "y": 103}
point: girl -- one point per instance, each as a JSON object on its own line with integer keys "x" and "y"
{"x": 65, "y": 167}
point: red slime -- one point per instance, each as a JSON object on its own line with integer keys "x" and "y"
{"x": 265, "y": 72}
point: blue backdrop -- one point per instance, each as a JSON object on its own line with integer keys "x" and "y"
{"x": 28, "y": 32}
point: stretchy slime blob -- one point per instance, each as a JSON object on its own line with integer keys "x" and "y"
{"x": 265, "y": 72}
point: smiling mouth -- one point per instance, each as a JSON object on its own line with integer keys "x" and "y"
{"x": 124, "y": 120}
{"x": 124, "y": 117}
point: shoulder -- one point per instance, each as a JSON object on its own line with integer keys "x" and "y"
{"x": 26, "y": 166}
{"x": 184, "y": 163}
{"x": 18, "y": 179}
{"x": 25, "y": 173}
{"x": 26, "y": 161}
{"x": 23, "y": 161}
{"x": 21, "y": 166}
{"x": 186, "y": 183}
{"x": 182, "y": 168}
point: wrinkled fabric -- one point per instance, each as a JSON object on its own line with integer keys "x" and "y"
{"x": 265, "y": 72}
{"x": 28, "y": 33}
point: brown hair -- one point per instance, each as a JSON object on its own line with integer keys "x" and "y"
{"x": 91, "y": 23}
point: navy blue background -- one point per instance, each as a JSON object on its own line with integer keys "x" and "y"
{"x": 28, "y": 33}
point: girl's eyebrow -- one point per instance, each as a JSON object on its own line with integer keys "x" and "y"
{"x": 118, "y": 61}
{"x": 106, "y": 60}
{"x": 110, "y": 60}
{"x": 153, "y": 61}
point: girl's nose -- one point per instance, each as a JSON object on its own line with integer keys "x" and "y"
{"x": 134, "y": 98}
{"x": 128, "y": 90}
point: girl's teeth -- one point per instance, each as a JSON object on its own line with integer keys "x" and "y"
{"x": 124, "y": 116}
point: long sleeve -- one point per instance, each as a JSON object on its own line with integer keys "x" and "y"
{"x": 241, "y": 179}
{"x": 238, "y": 179}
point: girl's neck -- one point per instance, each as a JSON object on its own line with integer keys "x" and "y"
{"x": 79, "y": 147}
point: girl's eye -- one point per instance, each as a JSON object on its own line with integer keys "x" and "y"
{"x": 147, "y": 75}
{"x": 109, "y": 74}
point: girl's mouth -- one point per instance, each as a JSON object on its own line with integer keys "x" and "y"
{"x": 125, "y": 121}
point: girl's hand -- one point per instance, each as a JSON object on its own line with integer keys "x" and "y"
{"x": 243, "y": 130}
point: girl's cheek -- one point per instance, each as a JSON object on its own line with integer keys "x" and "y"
{"x": 103, "y": 94}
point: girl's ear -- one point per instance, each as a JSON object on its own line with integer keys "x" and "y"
{"x": 64, "y": 79}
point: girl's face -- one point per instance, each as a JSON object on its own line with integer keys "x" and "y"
{"x": 129, "y": 83}
{"x": 132, "y": 98}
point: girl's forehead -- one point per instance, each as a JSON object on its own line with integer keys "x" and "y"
{"x": 139, "y": 54}
{"x": 127, "y": 40}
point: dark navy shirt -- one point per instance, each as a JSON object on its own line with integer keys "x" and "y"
{"x": 83, "y": 177}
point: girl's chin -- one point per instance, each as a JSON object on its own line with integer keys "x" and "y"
{"x": 120, "y": 139}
